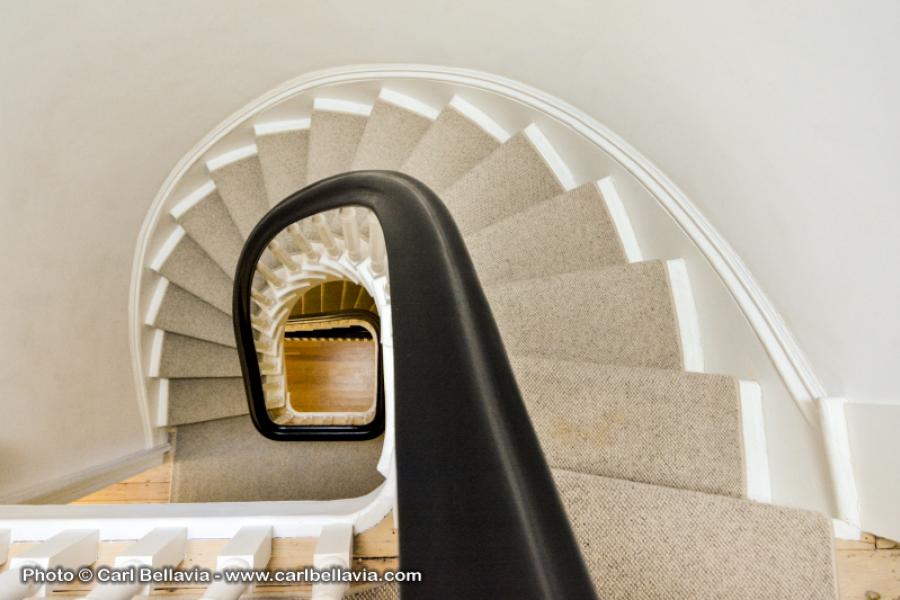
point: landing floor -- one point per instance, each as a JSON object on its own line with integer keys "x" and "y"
{"x": 870, "y": 565}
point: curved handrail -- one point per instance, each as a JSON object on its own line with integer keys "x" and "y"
{"x": 481, "y": 515}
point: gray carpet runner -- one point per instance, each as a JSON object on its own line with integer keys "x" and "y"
{"x": 648, "y": 542}
{"x": 227, "y": 460}
{"x": 647, "y": 458}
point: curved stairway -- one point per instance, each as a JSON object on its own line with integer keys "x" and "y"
{"x": 652, "y": 457}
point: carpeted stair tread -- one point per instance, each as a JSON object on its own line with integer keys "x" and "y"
{"x": 184, "y": 313}
{"x": 512, "y": 179}
{"x": 333, "y": 138}
{"x": 196, "y": 400}
{"x": 183, "y": 356}
{"x": 191, "y": 269}
{"x": 227, "y": 460}
{"x": 452, "y": 145}
{"x": 243, "y": 191}
{"x": 283, "y": 156}
{"x": 645, "y": 541}
{"x": 622, "y": 315}
{"x": 657, "y": 426}
{"x": 570, "y": 232}
{"x": 209, "y": 223}
{"x": 391, "y": 134}
{"x": 387, "y": 591}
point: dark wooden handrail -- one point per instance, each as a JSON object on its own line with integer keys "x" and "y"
{"x": 480, "y": 515}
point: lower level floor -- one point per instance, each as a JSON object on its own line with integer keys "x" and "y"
{"x": 867, "y": 570}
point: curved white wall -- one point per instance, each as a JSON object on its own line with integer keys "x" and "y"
{"x": 780, "y": 123}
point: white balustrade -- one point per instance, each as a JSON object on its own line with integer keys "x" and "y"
{"x": 326, "y": 236}
{"x": 271, "y": 276}
{"x": 334, "y": 550}
{"x": 303, "y": 244}
{"x": 350, "y": 228}
{"x": 377, "y": 250}
{"x": 261, "y": 299}
{"x": 4, "y": 545}
{"x": 250, "y": 548}
{"x": 67, "y": 550}
{"x": 283, "y": 256}
{"x": 162, "y": 547}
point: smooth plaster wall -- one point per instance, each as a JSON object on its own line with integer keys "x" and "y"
{"x": 875, "y": 447}
{"x": 779, "y": 120}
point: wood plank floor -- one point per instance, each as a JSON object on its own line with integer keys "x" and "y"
{"x": 373, "y": 550}
{"x": 331, "y": 375}
{"x": 867, "y": 569}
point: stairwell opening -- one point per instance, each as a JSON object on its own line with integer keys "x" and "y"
{"x": 330, "y": 343}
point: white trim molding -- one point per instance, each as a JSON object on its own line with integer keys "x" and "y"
{"x": 846, "y": 531}
{"x": 685, "y": 315}
{"x": 201, "y": 520}
{"x": 551, "y": 157}
{"x": 70, "y": 487}
{"x": 237, "y": 155}
{"x": 837, "y": 446}
{"x": 409, "y": 103}
{"x": 620, "y": 220}
{"x": 342, "y": 106}
{"x": 275, "y": 127}
{"x": 474, "y": 114}
{"x": 753, "y": 433}
{"x": 785, "y": 354}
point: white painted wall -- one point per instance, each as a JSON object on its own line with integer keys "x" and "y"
{"x": 874, "y": 431}
{"x": 779, "y": 120}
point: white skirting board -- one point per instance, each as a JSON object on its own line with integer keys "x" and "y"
{"x": 620, "y": 220}
{"x": 837, "y": 446}
{"x": 753, "y": 434}
{"x": 70, "y": 487}
{"x": 686, "y": 314}
{"x": 223, "y": 160}
{"x": 478, "y": 117}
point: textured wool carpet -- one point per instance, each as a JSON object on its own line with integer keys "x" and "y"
{"x": 227, "y": 460}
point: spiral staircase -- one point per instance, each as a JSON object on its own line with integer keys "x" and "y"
{"x": 662, "y": 468}
{"x": 657, "y": 462}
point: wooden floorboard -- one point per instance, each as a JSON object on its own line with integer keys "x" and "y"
{"x": 374, "y": 550}
{"x": 331, "y": 375}
{"x": 868, "y": 569}
{"x": 153, "y": 486}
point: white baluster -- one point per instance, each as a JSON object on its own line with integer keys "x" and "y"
{"x": 377, "y": 250}
{"x": 333, "y": 551}
{"x": 260, "y": 321}
{"x": 69, "y": 550}
{"x": 274, "y": 394}
{"x": 302, "y": 243}
{"x": 162, "y": 547}
{"x": 264, "y": 345}
{"x": 4, "y": 545}
{"x": 261, "y": 298}
{"x": 251, "y": 548}
{"x": 350, "y": 227}
{"x": 271, "y": 276}
{"x": 283, "y": 257}
{"x": 13, "y": 588}
{"x": 326, "y": 236}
